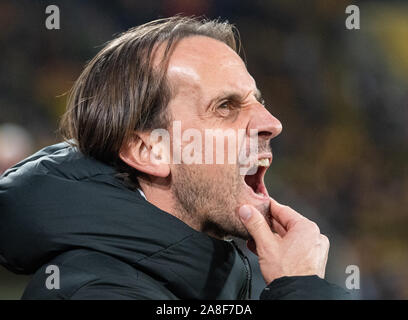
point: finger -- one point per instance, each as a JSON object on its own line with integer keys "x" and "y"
{"x": 275, "y": 225}
{"x": 327, "y": 245}
{"x": 278, "y": 228}
{"x": 285, "y": 215}
{"x": 256, "y": 225}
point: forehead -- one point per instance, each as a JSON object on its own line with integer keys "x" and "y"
{"x": 206, "y": 66}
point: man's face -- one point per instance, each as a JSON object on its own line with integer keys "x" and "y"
{"x": 213, "y": 90}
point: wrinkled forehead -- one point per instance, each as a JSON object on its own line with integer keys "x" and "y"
{"x": 207, "y": 66}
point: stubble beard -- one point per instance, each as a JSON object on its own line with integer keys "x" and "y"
{"x": 209, "y": 203}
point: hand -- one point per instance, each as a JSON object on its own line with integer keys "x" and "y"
{"x": 290, "y": 245}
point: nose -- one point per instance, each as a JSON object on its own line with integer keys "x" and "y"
{"x": 267, "y": 126}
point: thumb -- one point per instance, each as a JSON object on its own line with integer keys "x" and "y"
{"x": 256, "y": 225}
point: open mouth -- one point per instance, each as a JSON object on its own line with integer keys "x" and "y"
{"x": 255, "y": 181}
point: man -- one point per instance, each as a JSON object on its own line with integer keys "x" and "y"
{"x": 123, "y": 215}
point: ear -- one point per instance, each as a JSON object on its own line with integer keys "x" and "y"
{"x": 140, "y": 154}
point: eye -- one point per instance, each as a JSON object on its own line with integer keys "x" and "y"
{"x": 224, "y": 105}
{"x": 225, "y": 108}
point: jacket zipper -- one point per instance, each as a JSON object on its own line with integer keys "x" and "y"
{"x": 246, "y": 294}
{"x": 249, "y": 279}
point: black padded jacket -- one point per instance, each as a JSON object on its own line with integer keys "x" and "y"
{"x": 60, "y": 208}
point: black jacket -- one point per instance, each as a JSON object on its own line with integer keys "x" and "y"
{"x": 60, "y": 208}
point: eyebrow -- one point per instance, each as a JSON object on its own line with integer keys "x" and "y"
{"x": 233, "y": 96}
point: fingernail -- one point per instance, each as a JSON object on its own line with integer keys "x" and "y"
{"x": 245, "y": 212}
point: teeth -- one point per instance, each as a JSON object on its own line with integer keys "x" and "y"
{"x": 263, "y": 162}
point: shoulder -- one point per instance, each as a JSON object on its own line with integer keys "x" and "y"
{"x": 86, "y": 274}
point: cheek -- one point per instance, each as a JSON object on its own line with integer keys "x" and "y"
{"x": 219, "y": 174}
{"x": 229, "y": 177}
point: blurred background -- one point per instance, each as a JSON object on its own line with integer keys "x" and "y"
{"x": 342, "y": 96}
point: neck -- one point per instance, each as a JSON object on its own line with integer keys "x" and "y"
{"x": 160, "y": 195}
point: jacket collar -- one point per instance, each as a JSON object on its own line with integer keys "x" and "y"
{"x": 196, "y": 266}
